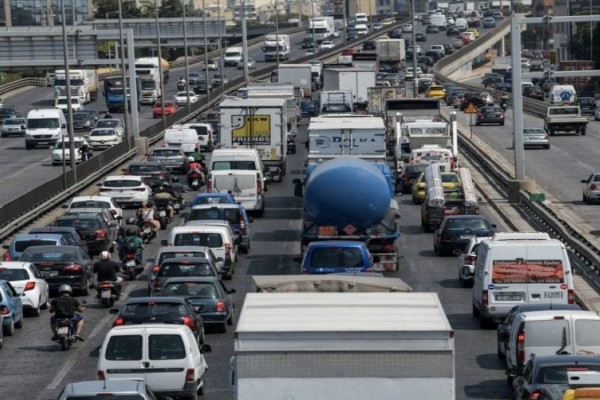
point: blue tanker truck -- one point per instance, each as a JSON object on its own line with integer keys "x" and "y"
{"x": 348, "y": 198}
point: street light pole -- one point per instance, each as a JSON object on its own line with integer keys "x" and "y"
{"x": 312, "y": 22}
{"x": 277, "y": 32}
{"x": 185, "y": 56}
{"x": 132, "y": 85}
{"x": 414, "y": 48}
{"x": 244, "y": 42}
{"x": 221, "y": 63}
{"x": 160, "y": 68}
{"x": 206, "y": 51}
{"x": 72, "y": 154}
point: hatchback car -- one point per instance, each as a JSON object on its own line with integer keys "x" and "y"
{"x": 452, "y": 31}
{"x": 436, "y": 92}
{"x": 409, "y": 174}
{"x": 489, "y": 23}
{"x": 535, "y": 137}
{"x": 420, "y": 37}
{"x": 182, "y": 267}
{"x": 115, "y": 389}
{"x": 21, "y": 242}
{"x": 172, "y": 158}
{"x": 201, "y": 87}
{"x": 307, "y": 108}
{"x": 62, "y": 265}
{"x": 235, "y": 214}
{"x": 115, "y": 123}
{"x": 432, "y": 29}
{"x": 64, "y": 147}
{"x": 11, "y": 308}
{"x": 181, "y": 98}
{"x": 490, "y": 115}
{"x": 152, "y": 173}
{"x": 164, "y": 309}
{"x": 94, "y": 229}
{"x": 326, "y": 44}
{"x": 13, "y": 126}
{"x": 79, "y": 202}
{"x": 126, "y": 189}
{"x": 207, "y": 295}
{"x": 103, "y": 138}
{"x": 29, "y": 283}
{"x": 591, "y": 190}
{"x": 466, "y": 262}
{"x": 82, "y": 121}
{"x": 170, "y": 109}
{"x": 455, "y": 232}
{"x": 218, "y": 80}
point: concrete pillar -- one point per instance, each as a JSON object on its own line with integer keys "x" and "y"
{"x": 142, "y": 146}
{"x": 502, "y": 48}
{"x": 514, "y": 186}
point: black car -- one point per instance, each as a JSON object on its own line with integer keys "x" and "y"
{"x": 456, "y": 230}
{"x": 432, "y": 29}
{"x": 308, "y": 42}
{"x": 490, "y": 115}
{"x": 162, "y": 310}
{"x": 491, "y": 81}
{"x": 452, "y": 31}
{"x": 427, "y": 60}
{"x": 152, "y": 173}
{"x": 536, "y": 66}
{"x": 424, "y": 84}
{"x": 69, "y": 265}
{"x": 587, "y": 105}
{"x": 503, "y": 87}
{"x": 369, "y": 45}
{"x": 448, "y": 48}
{"x": 395, "y": 34}
{"x": 72, "y": 235}
{"x": 408, "y": 175}
{"x": 503, "y": 328}
{"x": 534, "y": 92}
{"x": 97, "y": 233}
{"x": 201, "y": 87}
{"x": 8, "y": 112}
{"x": 434, "y": 54}
{"x": 307, "y": 107}
{"x": 351, "y": 35}
{"x": 544, "y": 372}
{"x": 183, "y": 267}
{"x": 420, "y": 37}
{"x": 83, "y": 121}
{"x": 472, "y": 98}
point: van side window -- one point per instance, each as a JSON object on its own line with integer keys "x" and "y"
{"x": 166, "y": 347}
{"x": 124, "y": 348}
{"x": 586, "y": 332}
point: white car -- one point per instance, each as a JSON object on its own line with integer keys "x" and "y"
{"x": 126, "y": 189}
{"x": 95, "y": 202}
{"x": 336, "y": 33}
{"x": 112, "y": 123}
{"x": 57, "y": 152}
{"x": 29, "y": 283}
{"x": 103, "y": 138}
{"x": 309, "y": 52}
{"x": 181, "y": 98}
{"x": 327, "y": 44}
{"x": 487, "y": 98}
{"x": 466, "y": 262}
{"x": 407, "y": 28}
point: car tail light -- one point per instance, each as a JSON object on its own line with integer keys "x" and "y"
{"x": 485, "y": 298}
{"x": 4, "y": 311}
{"x": 259, "y": 185}
{"x": 105, "y": 285}
{"x": 220, "y": 306}
{"x": 189, "y": 322}
{"x": 190, "y": 375}
{"x": 571, "y": 296}
{"x": 119, "y": 321}
{"x": 593, "y": 186}
{"x": 130, "y": 256}
{"x": 470, "y": 259}
{"x": 242, "y": 225}
{"x": 73, "y": 268}
{"x": 535, "y": 395}
{"x": 388, "y": 248}
{"x": 139, "y": 189}
{"x": 6, "y": 256}
{"x": 521, "y": 347}
{"x": 101, "y": 233}
{"x": 29, "y": 286}
{"x": 101, "y": 375}
{"x": 227, "y": 250}
{"x": 155, "y": 268}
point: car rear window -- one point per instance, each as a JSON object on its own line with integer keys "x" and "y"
{"x": 172, "y": 268}
{"x": 234, "y": 183}
{"x": 586, "y": 332}
{"x": 21, "y": 245}
{"x": 180, "y": 254}
{"x": 166, "y": 347}
{"x": 14, "y": 274}
{"x": 237, "y": 165}
{"x": 124, "y": 348}
{"x": 198, "y": 239}
{"x": 166, "y": 153}
{"x": 62, "y": 255}
{"x": 89, "y": 204}
{"x": 200, "y": 130}
{"x": 144, "y": 168}
{"x": 85, "y": 224}
{"x": 122, "y": 183}
{"x": 107, "y": 396}
{"x": 203, "y": 290}
{"x": 523, "y": 271}
{"x": 102, "y": 132}
{"x": 230, "y": 215}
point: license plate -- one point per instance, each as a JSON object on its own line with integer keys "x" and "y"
{"x": 508, "y": 297}
{"x": 162, "y": 213}
{"x": 198, "y": 308}
{"x": 130, "y": 263}
{"x": 52, "y": 273}
{"x": 554, "y": 295}
{"x": 466, "y": 236}
{"x": 106, "y": 294}
{"x": 63, "y": 330}
{"x": 176, "y": 206}
{"x": 147, "y": 230}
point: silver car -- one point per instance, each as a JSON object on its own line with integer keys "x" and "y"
{"x": 172, "y": 158}
{"x": 112, "y": 123}
{"x": 591, "y": 190}
{"x": 13, "y": 126}
{"x": 535, "y": 137}
{"x": 112, "y": 388}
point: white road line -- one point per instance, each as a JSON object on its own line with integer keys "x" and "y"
{"x": 61, "y": 374}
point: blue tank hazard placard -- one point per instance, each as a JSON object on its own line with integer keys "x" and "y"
{"x": 565, "y": 95}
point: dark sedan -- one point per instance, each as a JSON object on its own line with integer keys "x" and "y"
{"x": 208, "y": 296}
{"x": 503, "y": 87}
{"x": 408, "y": 175}
{"x": 83, "y": 121}
{"x": 587, "y": 105}
{"x": 183, "y": 267}
{"x": 165, "y": 310}
{"x": 97, "y": 233}
{"x": 69, "y": 265}
{"x": 420, "y": 37}
{"x": 452, "y": 31}
{"x": 456, "y": 230}
{"x": 152, "y": 173}
{"x": 534, "y": 92}
{"x": 490, "y": 115}
{"x": 432, "y": 29}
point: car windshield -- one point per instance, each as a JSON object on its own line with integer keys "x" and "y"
{"x": 135, "y": 169}
{"x": 237, "y": 165}
{"x": 107, "y": 123}
{"x": 231, "y": 215}
{"x": 67, "y": 145}
{"x": 173, "y": 268}
{"x": 80, "y": 117}
{"x": 22, "y": 245}
{"x": 102, "y": 132}
{"x": 14, "y": 274}
{"x": 14, "y": 121}
{"x": 40, "y": 256}
{"x": 89, "y": 204}
{"x": 156, "y": 311}
{"x": 204, "y": 290}
{"x": 166, "y": 153}
{"x": 180, "y": 254}
{"x": 122, "y": 183}
{"x": 534, "y": 131}
{"x": 198, "y": 239}
{"x": 466, "y": 224}
{"x": 43, "y": 123}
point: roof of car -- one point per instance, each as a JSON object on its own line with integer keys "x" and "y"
{"x": 105, "y": 386}
{"x": 570, "y": 359}
{"x": 13, "y": 264}
{"x": 49, "y": 249}
{"x": 50, "y": 229}
{"x": 190, "y": 260}
{"x": 42, "y": 235}
{"x": 155, "y": 299}
{"x": 546, "y": 314}
{"x": 542, "y": 307}
{"x": 212, "y": 279}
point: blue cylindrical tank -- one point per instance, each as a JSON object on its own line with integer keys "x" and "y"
{"x": 347, "y": 191}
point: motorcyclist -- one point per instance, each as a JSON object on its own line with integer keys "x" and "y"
{"x": 147, "y": 213}
{"x": 181, "y": 83}
{"x": 107, "y": 115}
{"x": 106, "y": 270}
{"x": 130, "y": 238}
{"x": 164, "y": 194}
{"x": 65, "y": 306}
{"x": 196, "y": 155}
{"x": 194, "y": 167}
{"x": 86, "y": 152}
{"x": 504, "y": 101}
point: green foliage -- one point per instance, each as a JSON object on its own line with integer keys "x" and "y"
{"x": 171, "y": 8}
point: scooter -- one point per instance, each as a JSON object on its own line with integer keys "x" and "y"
{"x": 65, "y": 331}
{"x": 108, "y": 292}
{"x": 148, "y": 232}
{"x": 130, "y": 265}
{"x": 180, "y": 85}
{"x": 195, "y": 179}
{"x": 161, "y": 206}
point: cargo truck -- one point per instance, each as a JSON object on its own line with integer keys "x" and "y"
{"x": 278, "y": 90}
{"x": 378, "y": 95}
{"x": 84, "y": 84}
{"x": 390, "y": 54}
{"x": 565, "y": 119}
{"x": 322, "y": 27}
{"x": 350, "y": 346}
{"x": 143, "y": 66}
{"x": 335, "y": 102}
{"x": 300, "y": 75}
{"x": 355, "y": 80}
{"x": 113, "y": 93}
{"x": 256, "y": 123}
{"x": 276, "y": 44}
{"x": 348, "y": 198}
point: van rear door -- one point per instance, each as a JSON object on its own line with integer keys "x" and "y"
{"x": 544, "y": 337}
{"x": 166, "y": 361}
{"x": 587, "y": 340}
{"x": 547, "y": 276}
{"x": 124, "y": 357}
{"x": 243, "y": 186}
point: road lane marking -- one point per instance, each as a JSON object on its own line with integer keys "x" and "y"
{"x": 61, "y": 374}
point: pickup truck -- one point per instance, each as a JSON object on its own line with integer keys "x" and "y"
{"x": 335, "y": 256}
{"x": 565, "y": 119}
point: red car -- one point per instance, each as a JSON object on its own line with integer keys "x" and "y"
{"x": 170, "y": 109}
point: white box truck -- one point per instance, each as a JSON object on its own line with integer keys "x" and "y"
{"x": 274, "y": 44}
{"x": 350, "y": 346}
{"x": 84, "y": 84}
{"x": 300, "y": 75}
{"x": 278, "y": 90}
{"x": 390, "y": 54}
{"x": 356, "y": 80}
{"x": 256, "y": 123}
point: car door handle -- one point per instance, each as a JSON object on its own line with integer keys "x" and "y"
{"x": 146, "y": 364}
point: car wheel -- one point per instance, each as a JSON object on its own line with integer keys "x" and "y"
{"x": 439, "y": 251}
{"x": 10, "y": 329}
{"x": 2, "y": 134}
{"x": 19, "y": 323}
{"x": 584, "y": 199}
{"x": 35, "y": 312}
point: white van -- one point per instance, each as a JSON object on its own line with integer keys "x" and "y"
{"x": 164, "y": 356}
{"x": 361, "y": 29}
{"x": 544, "y": 333}
{"x": 62, "y": 103}
{"x": 232, "y": 56}
{"x": 245, "y": 159}
{"x": 184, "y": 138}
{"x": 45, "y": 127}
{"x": 206, "y": 134}
{"x": 563, "y": 94}
{"x": 219, "y": 238}
{"x": 439, "y": 20}
{"x": 361, "y": 18}
{"x": 461, "y": 24}
{"x": 247, "y": 188}
{"x": 519, "y": 268}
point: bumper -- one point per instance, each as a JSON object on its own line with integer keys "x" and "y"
{"x": 76, "y": 282}
{"x": 188, "y": 390}
{"x": 467, "y": 272}
{"x": 30, "y": 301}
{"x": 213, "y": 318}
{"x": 453, "y": 245}
{"x": 491, "y": 121}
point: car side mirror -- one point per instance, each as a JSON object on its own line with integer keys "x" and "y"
{"x": 584, "y": 181}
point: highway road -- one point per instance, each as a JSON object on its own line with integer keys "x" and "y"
{"x": 33, "y": 367}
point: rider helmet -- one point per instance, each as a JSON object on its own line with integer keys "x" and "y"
{"x": 104, "y": 255}
{"x": 190, "y": 159}
{"x": 65, "y": 289}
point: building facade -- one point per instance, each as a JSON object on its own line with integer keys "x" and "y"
{"x": 44, "y": 12}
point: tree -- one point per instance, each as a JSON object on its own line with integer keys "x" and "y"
{"x": 171, "y": 8}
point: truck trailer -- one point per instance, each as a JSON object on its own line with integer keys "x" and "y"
{"x": 350, "y": 346}
{"x": 114, "y": 93}
{"x": 356, "y": 80}
{"x": 274, "y": 45}
{"x": 390, "y": 54}
{"x": 299, "y": 75}
{"x": 84, "y": 84}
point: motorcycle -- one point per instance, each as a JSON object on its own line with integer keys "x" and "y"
{"x": 503, "y": 104}
{"x": 161, "y": 206}
{"x": 181, "y": 85}
{"x": 148, "y": 232}
{"x": 86, "y": 155}
{"x": 130, "y": 265}
{"x": 195, "y": 179}
{"x": 108, "y": 292}
{"x": 65, "y": 331}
